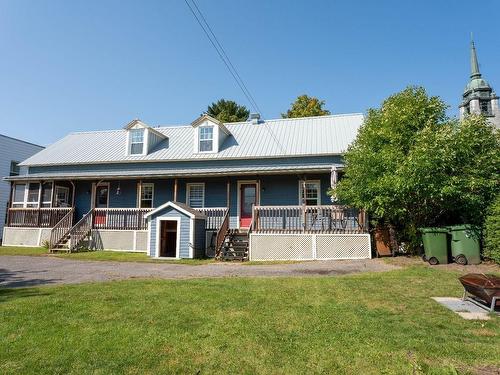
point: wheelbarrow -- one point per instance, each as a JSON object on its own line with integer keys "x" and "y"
{"x": 482, "y": 290}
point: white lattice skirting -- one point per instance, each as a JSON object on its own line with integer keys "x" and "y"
{"x": 309, "y": 246}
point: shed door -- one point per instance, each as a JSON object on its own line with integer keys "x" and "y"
{"x": 168, "y": 238}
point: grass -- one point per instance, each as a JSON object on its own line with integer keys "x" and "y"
{"x": 357, "y": 324}
{"x": 118, "y": 256}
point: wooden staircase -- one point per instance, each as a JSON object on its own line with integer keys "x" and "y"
{"x": 64, "y": 237}
{"x": 235, "y": 245}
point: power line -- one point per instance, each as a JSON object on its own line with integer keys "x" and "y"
{"x": 221, "y": 54}
{"x": 253, "y": 102}
{"x": 227, "y": 62}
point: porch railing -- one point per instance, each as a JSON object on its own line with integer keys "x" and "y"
{"x": 215, "y": 216}
{"x": 35, "y": 217}
{"x": 120, "y": 218}
{"x": 61, "y": 229}
{"x": 309, "y": 219}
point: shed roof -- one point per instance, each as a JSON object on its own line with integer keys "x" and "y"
{"x": 179, "y": 206}
{"x": 322, "y": 135}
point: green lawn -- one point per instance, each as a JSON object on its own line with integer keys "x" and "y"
{"x": 118, "y": 256}
{"x": 358, "y": 324}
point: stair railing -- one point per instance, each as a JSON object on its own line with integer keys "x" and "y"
{"x": 221, "y": 234}
{"x": 81, "y": 230}
{"x": 61, "y": 229}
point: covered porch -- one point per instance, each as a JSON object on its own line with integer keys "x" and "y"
{"x": 113, "y": 211}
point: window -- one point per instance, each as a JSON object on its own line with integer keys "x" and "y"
{"x": 310, "y": 193}
{"x": 206, "y": 139}
{"x": 47, "y": 194}
{"x": 18, "y": 196}
{"x": 136, "y": 141}
{"x": 62, "y": 196}
{"x": 33, "y": 194}
{"x": 485, "y": 107}
{"x": 146, "y": 195}
{"x": 14, "y": 168}
{"x": 196, "y": 195}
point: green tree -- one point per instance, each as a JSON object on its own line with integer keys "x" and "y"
{"x": 228, "y": 111}
{"x": 410, "y": 166}
{"x": 492, "y": 232}
{"x": 306, "y": 106}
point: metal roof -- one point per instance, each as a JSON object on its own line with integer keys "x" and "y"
{"x": 191, "y": 172}
{"x": 323, "y": 135}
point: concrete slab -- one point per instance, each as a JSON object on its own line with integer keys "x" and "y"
{"x": 465, "y": 309}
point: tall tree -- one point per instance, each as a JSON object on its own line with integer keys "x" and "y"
{"x": 306, "y": 106}
{"x": 228, "y": 111}
{"x": 411, "y": 167}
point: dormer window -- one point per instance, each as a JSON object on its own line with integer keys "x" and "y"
{"x": 136, "y": 141}
{"x": 206, "y": 138}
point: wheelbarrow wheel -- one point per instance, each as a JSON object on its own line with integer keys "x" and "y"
{"x": 461, "y": 259}
{"x": 433, "y": 261}
{"x": 424, "y": 258}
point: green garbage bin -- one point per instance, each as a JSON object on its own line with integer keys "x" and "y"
{"x": 465, "y": 244}
{"x": 435, "y": 245}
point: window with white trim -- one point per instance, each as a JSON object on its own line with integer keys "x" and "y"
{"x": 206, "y": 138}
{"x": 18, "y": 195}
{"x": 33, "y": 194}
{"x": 62, "y": 196}
{"x": 146, "y": 195}
{"x": 195, "y": 195}
{"x": 47, "y": 194}
{"x": 310, "y": 193}
{"x": 136, "y": 141}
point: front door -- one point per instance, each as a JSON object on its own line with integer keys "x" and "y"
{"x": 101, "y": 201}
{"x": 248, "y": 198}
{"x": 168, "y": 238}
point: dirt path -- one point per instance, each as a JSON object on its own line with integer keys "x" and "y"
{"x": 23, "y": 271}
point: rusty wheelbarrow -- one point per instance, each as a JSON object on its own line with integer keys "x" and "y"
{"x": 484, "y": 288}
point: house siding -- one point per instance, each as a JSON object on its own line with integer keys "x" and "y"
{"x": 199, "y": 238}
{"x": 11, "y": 150}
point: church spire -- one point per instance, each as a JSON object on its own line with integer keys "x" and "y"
{"x": 474, "y": 65}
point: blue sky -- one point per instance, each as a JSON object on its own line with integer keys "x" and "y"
{"x": 86, "y": 65}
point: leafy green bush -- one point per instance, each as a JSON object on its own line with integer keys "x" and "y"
{"x": 492, "y": 232}
{"x": 410, "y": 166}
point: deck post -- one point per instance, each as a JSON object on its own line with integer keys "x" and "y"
{"x": 228, "y": 192}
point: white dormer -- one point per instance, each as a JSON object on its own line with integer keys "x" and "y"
{"x": 209, "y": 134}
{"x": 141, "y": 138}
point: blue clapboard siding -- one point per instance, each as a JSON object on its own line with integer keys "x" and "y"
{"x": 11, "y": 149}
{"x": 186, "y": 165}
{"x": 199, "y": 238}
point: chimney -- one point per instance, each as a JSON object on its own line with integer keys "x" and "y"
{"x": 254, "y": 118}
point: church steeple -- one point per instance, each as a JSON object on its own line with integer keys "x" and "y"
{"x": 474, "y": 65}
{"x": 478, "y": 96}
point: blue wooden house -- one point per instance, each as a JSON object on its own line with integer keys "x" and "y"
{"x": 259, "y": 188}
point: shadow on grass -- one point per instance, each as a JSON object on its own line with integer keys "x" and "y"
{"x": 18, "y": 279}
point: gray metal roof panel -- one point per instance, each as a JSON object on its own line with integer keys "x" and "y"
{"x": 321, "y": 135}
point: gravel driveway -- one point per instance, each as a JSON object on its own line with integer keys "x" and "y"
{"x": 22, "y": 271}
